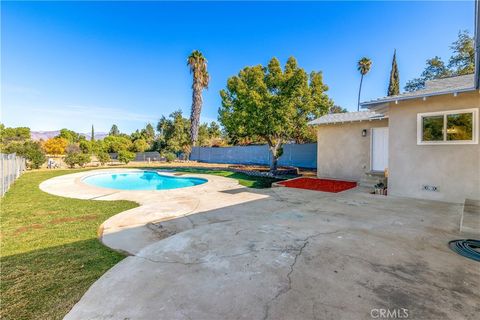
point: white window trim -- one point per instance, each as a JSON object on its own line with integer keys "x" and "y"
{"x": 474, "y": 111}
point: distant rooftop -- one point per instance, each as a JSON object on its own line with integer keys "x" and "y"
{"x": 347, "y": 117}
{"x": 432, "y": 88}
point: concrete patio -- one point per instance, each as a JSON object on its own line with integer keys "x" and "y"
{"x": 223, "y": 251}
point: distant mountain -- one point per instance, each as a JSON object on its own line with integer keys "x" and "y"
{"x": 44, "y": 135}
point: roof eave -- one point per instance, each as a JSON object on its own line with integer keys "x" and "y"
{"x": 349, "y": 121}
{"x": 371, "y": 104}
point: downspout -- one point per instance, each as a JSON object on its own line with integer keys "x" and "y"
{"x": 477, "y": 44}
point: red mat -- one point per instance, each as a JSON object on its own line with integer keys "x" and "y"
{"x": 325, "y": 185}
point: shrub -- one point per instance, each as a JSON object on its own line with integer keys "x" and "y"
{"x": 83, "y": 159}
{"x": 170, "y": 156}
{"x": 103, "y": 158}
{"x": 74, "y": 158}
{"x": 34, "y": 155}
{"x": 71, "y": 159}
{"x": 125, "y": 156}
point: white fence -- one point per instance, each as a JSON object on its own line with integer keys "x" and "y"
{"x": 12, "y": 167}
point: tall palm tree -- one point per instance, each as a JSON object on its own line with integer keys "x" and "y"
{"x": 363, "y": 66}
{"x": 198, "y": 67}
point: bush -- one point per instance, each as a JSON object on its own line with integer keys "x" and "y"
{"x": 33, "y": 152}
{"x": 125, "y": 156}
{"x": 103, "y": 158}
{"x": 30, "y": 150}
{"x": 170, "y": 156}
{"x": 83, "y": 159}
{"x": 74, "y": 158}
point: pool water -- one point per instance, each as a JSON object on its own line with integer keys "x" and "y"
{"x": 142, "y": 180}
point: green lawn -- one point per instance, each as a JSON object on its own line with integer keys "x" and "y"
{"x": 50, "y": 253}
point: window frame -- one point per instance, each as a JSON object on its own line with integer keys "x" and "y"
{"x": 420, "y": 116}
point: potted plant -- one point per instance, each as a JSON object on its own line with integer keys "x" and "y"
{"x": 380, "y": 188}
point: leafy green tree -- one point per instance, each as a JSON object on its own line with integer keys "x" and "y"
{"x": 92, "y": 135}
{"x": 435, "y": 69}
{"x": 114, "y": 131}
{"x": 148, "y": 133}
{"x": 364, "y": 65}
{"x": 30, "y": 150}
{"x": 34, "y": 154}
{"x": 463, "y": 59}
{"x": 87, "y": 146}
{"x": 76, "y": 158}
{"x": 70, "y": 136}
{"x": 198, "y": 68}
{"x": 140, "y": 145}
{"x": 174, "y": 133}
{"x": 125, "y": 156}
{"x": 271, "y": 104}
{"x": 103, "y": 157}
{"x": 8, "y": 135}
{"x": 117, "y": 143}
{"x": 337, "y": 109}
{"x": 394, "y": 85}
{"x": 203, "y": 135}
{"x": 214, "y": 130}
{"x": 460, "y": 63}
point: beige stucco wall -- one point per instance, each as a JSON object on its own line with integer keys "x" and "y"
{"x": 342, "y": 151}
{"x": 455, "y": 169}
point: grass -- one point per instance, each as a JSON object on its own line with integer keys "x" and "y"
{"x": 49, "y": 251}
{"x": 50, "y": 254}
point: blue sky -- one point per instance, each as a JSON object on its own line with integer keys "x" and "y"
{"x": 69, "y": 64}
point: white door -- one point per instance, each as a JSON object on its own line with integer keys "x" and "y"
{"x": 379, "y": 149}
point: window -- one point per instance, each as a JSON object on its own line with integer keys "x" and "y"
{"x": 448, "y": 127}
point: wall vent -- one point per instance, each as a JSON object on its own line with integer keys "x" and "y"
{"x": 430, "y": 188}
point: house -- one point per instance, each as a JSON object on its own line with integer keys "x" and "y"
{"x": 425, "y": 141}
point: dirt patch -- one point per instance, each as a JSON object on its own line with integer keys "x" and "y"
{"x": 28, "y": 228}
{"x": 73, "y": 219}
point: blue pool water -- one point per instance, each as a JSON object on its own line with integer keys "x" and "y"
{"x": 142, "y": 180}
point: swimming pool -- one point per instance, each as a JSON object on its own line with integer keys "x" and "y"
{"x": 141, "y": 180}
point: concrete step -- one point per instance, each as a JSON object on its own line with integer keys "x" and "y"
{"x": 370, "y": 180}
{"x": 470, "y": 221}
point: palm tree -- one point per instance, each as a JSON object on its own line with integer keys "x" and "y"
{"x": 198, "y": 67}
{"x": 363, "y": 66}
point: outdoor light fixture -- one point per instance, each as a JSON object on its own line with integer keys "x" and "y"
{"x": 364, "y": 132}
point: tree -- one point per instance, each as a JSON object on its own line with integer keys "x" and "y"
{"x": 364, "y": 65}
{"x": 148, "y": 133}
{"x": 30, "y": 150}
{"x": 394, "y": 85}
{"x": 337, "y": 109}
{"x": 8, "y": 135}
{"x": 70, "y": 136}
{"x": 198, "y": 67}
{"x": 272, "y": 104}
{"x": 463, "y": 59}
{"x": 460, "y": 63}
{"x": 55, "y": 146}
{"x": 435, "y": 69}
{"x": 114, "y": 131}
{"x": 140, "y": 145}
{"x": 174, "y": 133}
{"x": 73, "y": 158}
{"x": 33, "y": 153}
{"x": 214, "y": 130}
{"x": 92, "y": 137}
{"x": 125, "y": 156}
{"x": 117, "y": 143}
{"x": 103, "y": 157}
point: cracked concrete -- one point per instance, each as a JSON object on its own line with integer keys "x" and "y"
{"x": 228, "y": 252}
